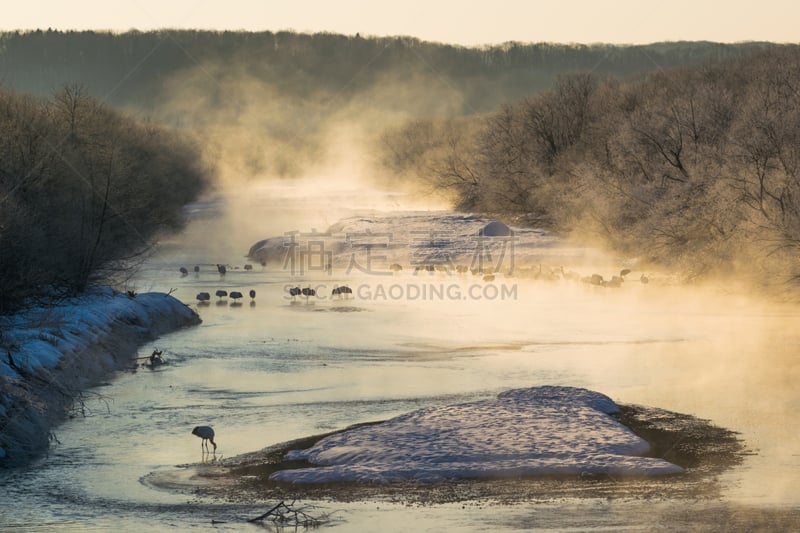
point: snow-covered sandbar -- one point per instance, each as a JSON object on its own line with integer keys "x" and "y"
{"x": 525, "y": 444}
{"x": 541, "y": 431}
{"x": 52, "y": 353}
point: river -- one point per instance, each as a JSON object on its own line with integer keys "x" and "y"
{"x": 272, "y": 369}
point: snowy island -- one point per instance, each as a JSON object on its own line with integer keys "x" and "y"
{"x": 524, "y": 432}
{"x": 525, "y": 444}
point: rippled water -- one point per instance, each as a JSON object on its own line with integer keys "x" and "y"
{"x": 274, "y": 370}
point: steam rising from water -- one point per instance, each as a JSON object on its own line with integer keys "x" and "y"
{"x": 255, "y": 129}
{"x": 224, "y": 225}
{"x": 300, "y": 162}
{"x": 308, "y": 151}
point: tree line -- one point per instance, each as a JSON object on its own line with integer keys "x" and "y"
{"x": 83, "y": 191}
{"x": 130, "y": 69}
{"x": 268, "y": 103}
{"x": 694, "y": 168}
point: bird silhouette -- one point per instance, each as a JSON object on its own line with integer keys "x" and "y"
{"x": 184, "y": 272}
{"x": 308, "y": 291}
{"x": 339, "y": 291}
{"x": 252, "y": 294}
{"x": 235, "y": 295}
{"x": 221, "y": 293}
{"x": 203, "y": 296}
{"x": 206, "y": 433}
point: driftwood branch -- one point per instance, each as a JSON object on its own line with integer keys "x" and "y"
{"x": 290, "y": 515}
{"x": 271, "y": 513}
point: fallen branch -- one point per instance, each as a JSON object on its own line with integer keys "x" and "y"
{"x": 284, "y": 514}
{"x": 269, "y": 513}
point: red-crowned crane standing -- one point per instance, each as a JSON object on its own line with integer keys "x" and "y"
{"x": 207, "y": 434}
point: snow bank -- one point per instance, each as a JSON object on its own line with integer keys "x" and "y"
{"x": 410, "y": 238}
{"x": 524, "y": 432}
{"x": 52, "y": 353}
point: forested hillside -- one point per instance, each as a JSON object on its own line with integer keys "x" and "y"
{"x": 268, "y": 103}
{"x": 696, "y": 169}
{"x": 131, "y": 69}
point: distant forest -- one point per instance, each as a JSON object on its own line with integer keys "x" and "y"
{"x": 686, "y": 155}
{"x": 268, "y": 103}
{"x": 133, "y": 68}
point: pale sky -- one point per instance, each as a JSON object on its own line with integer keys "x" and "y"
{"x": 452, "y": 21}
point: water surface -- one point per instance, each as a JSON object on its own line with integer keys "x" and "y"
{"x": 273, "y": 370}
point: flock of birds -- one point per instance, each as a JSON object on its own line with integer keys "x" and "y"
{"x": 340, "y": 291}
{"x": 204, "y": 297}
{"x": 222, "y": 269}
{"x": 487, "y": 274}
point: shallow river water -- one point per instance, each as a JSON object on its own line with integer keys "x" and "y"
{"x": 273, "y": 370}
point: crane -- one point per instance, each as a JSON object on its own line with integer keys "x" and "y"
{"x": 206, "y": 433}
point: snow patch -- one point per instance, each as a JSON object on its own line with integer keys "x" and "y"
{"x": 523, "y": 432}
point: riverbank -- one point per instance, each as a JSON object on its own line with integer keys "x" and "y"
{"x": 51, "y": 355}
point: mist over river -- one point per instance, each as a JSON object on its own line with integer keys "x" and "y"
{"x": 275, "y": 369}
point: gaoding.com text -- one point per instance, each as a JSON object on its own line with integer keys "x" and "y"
{"x": 406, "y": 291}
